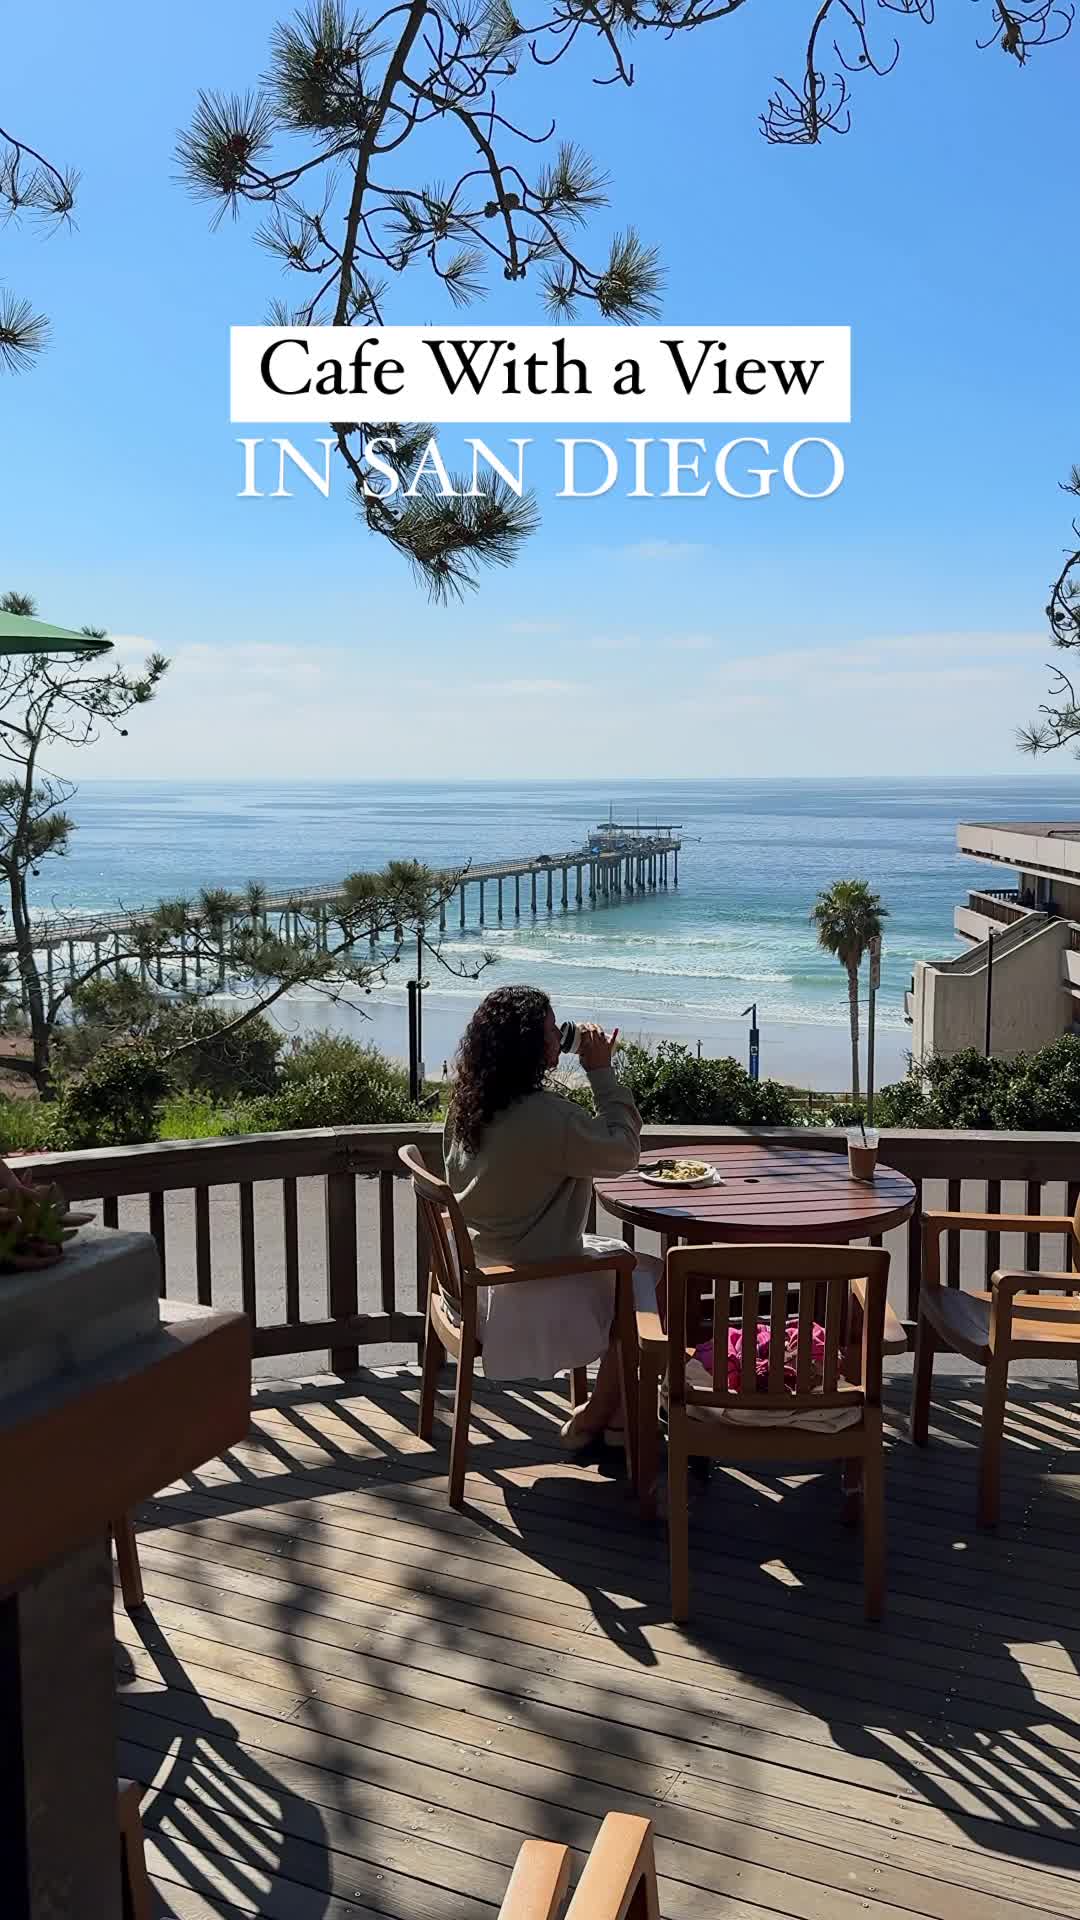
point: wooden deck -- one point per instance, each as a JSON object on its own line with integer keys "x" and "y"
{"x": 345, "y": 1700}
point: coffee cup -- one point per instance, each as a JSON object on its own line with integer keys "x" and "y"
{"x": 862, "y": 1152}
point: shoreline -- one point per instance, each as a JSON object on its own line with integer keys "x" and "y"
{"x": 817, "y": 1057}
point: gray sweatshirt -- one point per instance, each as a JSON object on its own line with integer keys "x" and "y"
{"x": 525, "y": 1193}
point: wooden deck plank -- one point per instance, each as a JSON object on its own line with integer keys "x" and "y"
{"x": 345, "y": 1698}
{"x": 933, "y": 1877}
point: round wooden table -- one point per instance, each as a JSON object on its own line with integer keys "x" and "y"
{"x": 769, "y": 1193}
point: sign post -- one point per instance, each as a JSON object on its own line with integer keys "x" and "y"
{"x": 875, "y": 982}
{"x": 754, "y": 1041}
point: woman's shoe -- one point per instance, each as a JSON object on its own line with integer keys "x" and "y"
{"x": 574, "y": 1439}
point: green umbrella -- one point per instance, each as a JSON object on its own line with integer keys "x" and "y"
{"x": 21, "y": 635}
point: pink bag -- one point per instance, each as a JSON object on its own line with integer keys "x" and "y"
{"x": 704, "y": 1354}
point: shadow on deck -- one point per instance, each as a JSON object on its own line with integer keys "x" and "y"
{"x": 343, "y": 1698}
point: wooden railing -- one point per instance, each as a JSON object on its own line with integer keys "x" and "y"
{"x": 315, "y": 1237}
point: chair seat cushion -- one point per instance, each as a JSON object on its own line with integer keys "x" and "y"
{"x": 807, "y": 1419}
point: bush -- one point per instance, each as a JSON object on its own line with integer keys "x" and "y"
{"x": 28, "y": 1125}
{"x": 1037, "y": 1092}
{"x": 669, "y": 1085}
{"x": 193, "y": 1116}
{"x": 371, "y": 1092}
{"x": 572, "y": 1088}
{"x": 105, "y": 1012}
{"x": 1043, "y": 1089}
{"x": 841, "y": 1113}
{"x": 320, "y": 1054}
{"x": 221, "y": 1064}
{"x": 115, "y": 1101}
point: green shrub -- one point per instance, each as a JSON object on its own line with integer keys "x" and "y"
{"x": 104, "y": 1012}
{"x": 321, "y": 1053}
{"x": 240, "y": 1061}
{"x": 841, "y": 1113}
{"x": 115, "y": 1100}
{"x": 193, "y": 1116}
{"x": 30, "y": 1125}
{"x": 1042, "y": 1092}
{"x": 1038, "y": 1092}
{"x": 571, "y": 1088}
{"x": 370, "y": 1092}
{"x": 669, "y": 1085}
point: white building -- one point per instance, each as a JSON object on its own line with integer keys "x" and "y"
{"x": 1034, "y": 925}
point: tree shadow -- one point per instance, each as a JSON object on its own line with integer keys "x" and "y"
{"x": 411, "y": 1629}
{"x": 220, "y": 1822}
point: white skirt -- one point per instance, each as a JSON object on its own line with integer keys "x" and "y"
{"x": 545, "y": 1327}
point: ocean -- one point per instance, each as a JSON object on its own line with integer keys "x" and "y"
{"x": 683, "y": 963}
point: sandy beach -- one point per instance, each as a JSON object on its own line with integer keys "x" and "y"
{"x": 816, "y": 1056}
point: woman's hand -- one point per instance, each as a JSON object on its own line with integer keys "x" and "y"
{"x": 594, "y": 1048}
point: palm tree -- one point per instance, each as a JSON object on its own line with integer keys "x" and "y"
{"x": 848, "y": 917}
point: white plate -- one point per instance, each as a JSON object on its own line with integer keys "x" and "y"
{"x": 710, "y": 1179}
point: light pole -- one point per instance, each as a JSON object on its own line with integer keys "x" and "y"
{"x": 989, "y": 992}
{"x": 754, "y": 1040}
{"x": 415, "y": 990}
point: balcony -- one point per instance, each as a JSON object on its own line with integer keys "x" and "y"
{"x": 343, "y": 1697}
{"x": 989, "y": 911}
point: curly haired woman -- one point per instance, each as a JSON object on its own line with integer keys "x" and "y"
{"x": 521, "y": 1159}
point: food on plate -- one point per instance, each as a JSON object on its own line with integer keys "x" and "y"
{"x": 677, "y": 1172}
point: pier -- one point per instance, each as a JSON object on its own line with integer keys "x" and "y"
{"x": 597, "y": 874}
{"x": 617, "y": 864}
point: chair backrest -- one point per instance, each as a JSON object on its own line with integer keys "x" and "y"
{"x": 449, "y": 1246}
{"x": 815, "y": 1280}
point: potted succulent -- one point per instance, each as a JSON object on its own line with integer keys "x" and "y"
{"x": 34, "y": 1224}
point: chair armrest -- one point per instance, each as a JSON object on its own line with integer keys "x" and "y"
{"x": 998, "y": 1222}
{"x": 566, "y": 1269}
{"x": 650, "y": 1333}
{"x": 1012, "y": 1283}
{"x": 538, "y": 1883}
{"x": 619, "y": 1871}
{"x": 894, "y": 1339}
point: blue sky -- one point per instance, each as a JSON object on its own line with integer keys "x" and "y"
{"x": 895, "y": 627}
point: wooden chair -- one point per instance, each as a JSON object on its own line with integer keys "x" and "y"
{"x": 127, "y": 1561}
{"x": 1023, "y": 1316}
{"x": 453, "y": 1278}
{"x": 847, "y": 1287}
{"x": 137, "y": 1901}
{"x": 618, "y": 1881}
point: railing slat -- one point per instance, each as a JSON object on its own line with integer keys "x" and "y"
{"x": 1032, "y": 1241}
{"x": 203, "y": 1272}
{"x": 292, "y": 1251}
{"x": 952, "y": 1258}
{"x": 110, "y": 1176}
{"x": 360, "y": 1329}
{"x": 914, "y": 1255}
{"x": 342, "y": 1298}
{"x": 387, "y": 1273}
{"x": 993, "y": 1240}
{"x": 157, "y": 1228}
{"x": 1072, "y": 1197}
{"x": 248, "y": 1295}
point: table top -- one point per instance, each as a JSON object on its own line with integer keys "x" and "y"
{"x": 769, "y": 1193}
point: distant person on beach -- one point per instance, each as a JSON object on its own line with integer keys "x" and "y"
{"x": 521, "y": 1159}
